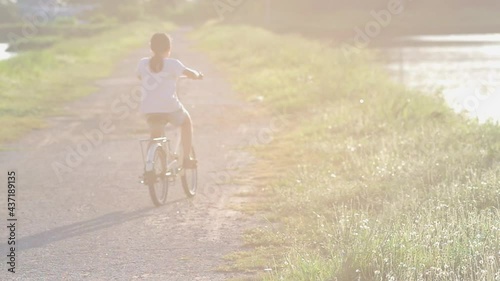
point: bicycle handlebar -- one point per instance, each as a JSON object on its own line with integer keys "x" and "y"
{"x": 200, "y": 77}
{"x": 191, "y": 74}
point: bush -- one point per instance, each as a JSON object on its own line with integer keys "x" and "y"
{"x": 46, "y": 36}
{"x": 7, "y": 28}
{"x": 8, "y": 13}
{"x": 123, "y": 11}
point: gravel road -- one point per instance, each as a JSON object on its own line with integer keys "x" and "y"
{"x": 82, "y": 213}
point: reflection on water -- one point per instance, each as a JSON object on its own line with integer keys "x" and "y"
{"x": 3, "y": 52}
{"x": 466, "y": 68}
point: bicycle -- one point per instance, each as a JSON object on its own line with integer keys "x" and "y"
{"x": 163, "y": 165}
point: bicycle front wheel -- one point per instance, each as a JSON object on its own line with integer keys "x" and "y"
{"x": 189, "y": 178}
{"x": 158, "y": 184}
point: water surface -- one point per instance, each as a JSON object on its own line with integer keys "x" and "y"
{"x": 464, "y": 68}
{"x": 3, "y": 52}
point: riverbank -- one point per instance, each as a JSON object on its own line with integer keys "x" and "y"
{"x": 382, "y": 182}
{"x": 35, "y": 83}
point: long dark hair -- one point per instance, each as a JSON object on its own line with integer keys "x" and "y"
{"x": 160, "y": 44}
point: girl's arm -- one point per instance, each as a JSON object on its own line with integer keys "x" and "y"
{"x": 193, "y": 74}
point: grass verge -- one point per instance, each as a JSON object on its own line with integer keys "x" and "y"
{"x": 34, "y": 84}
{"x": 383, "y": 183}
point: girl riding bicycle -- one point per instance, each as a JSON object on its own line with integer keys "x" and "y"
{"x": 160, "y": 104}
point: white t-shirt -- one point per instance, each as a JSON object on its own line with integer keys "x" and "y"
{"x": 159, "y": 93}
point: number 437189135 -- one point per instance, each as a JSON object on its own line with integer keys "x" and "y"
{"x": 11, "y": 197}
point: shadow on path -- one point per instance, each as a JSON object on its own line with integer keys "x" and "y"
{"x": 80, "y": 228}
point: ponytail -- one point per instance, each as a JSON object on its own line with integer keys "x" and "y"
{"x": 160, "y": 44}
{"x": 156, "y": 63}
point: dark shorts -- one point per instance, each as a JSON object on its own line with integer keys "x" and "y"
{"x": 158, "y": 121}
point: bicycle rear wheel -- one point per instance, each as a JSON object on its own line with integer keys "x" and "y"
{"x": 189, "y": 178}
{"x": 158, "y": 182}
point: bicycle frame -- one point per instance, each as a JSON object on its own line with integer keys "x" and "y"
{"x": 173, "y": 133}
{"x": 173, "y": 164}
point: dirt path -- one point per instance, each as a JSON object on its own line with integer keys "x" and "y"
{"x": 94, "y": 221}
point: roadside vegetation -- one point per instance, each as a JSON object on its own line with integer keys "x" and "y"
{"x": 58, "y": 58}
{"x": 381, "y": 182}
{"x": 337, "y": 19}
{"x": 34, "y": 84}
{"x": 44, "y": 36}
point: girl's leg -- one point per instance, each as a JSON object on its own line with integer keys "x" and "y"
{"x": 156, "y": 124}
{"x": 187, "y": 141}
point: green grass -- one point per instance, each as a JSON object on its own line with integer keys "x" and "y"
{"x": 34, "y": 84}
{"x": 383, "y": 183}
{"x": 57, "y": 29}
{"x": 47, "y": 35}
{"x": 34, "y": 43}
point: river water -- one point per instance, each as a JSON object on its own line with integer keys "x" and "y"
{"x": 465, "y": 69}
{"x": 3, "y": 52}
